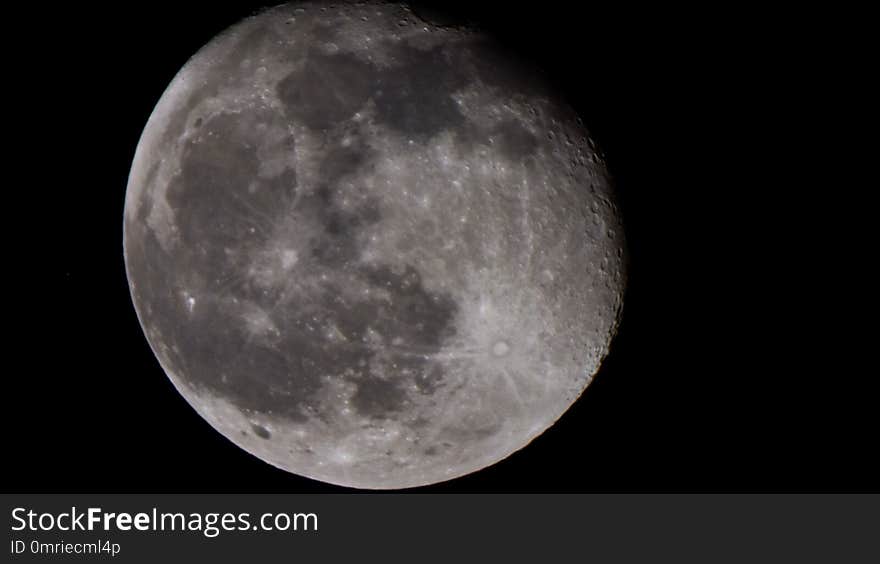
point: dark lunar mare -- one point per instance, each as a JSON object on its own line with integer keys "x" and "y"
{"x": 222, "y": 225}
{"x": 412, "y": 97}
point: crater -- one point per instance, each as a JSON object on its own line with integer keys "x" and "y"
{"x": 500, "y": 348}
{"x": 261, "y": 431}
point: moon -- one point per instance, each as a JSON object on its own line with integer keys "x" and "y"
{"x": 371, "y": 248}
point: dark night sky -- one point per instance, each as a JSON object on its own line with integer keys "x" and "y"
{"x": 716, "y": 381}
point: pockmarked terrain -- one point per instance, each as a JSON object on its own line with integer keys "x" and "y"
{"x": 371, "y": 249}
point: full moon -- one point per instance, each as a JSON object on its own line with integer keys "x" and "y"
{"x": 371, "y": 248}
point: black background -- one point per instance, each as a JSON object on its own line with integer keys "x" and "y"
{"x": 717, "y": 381}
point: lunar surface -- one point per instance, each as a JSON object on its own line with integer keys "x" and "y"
{"x": 371, "y": 249}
